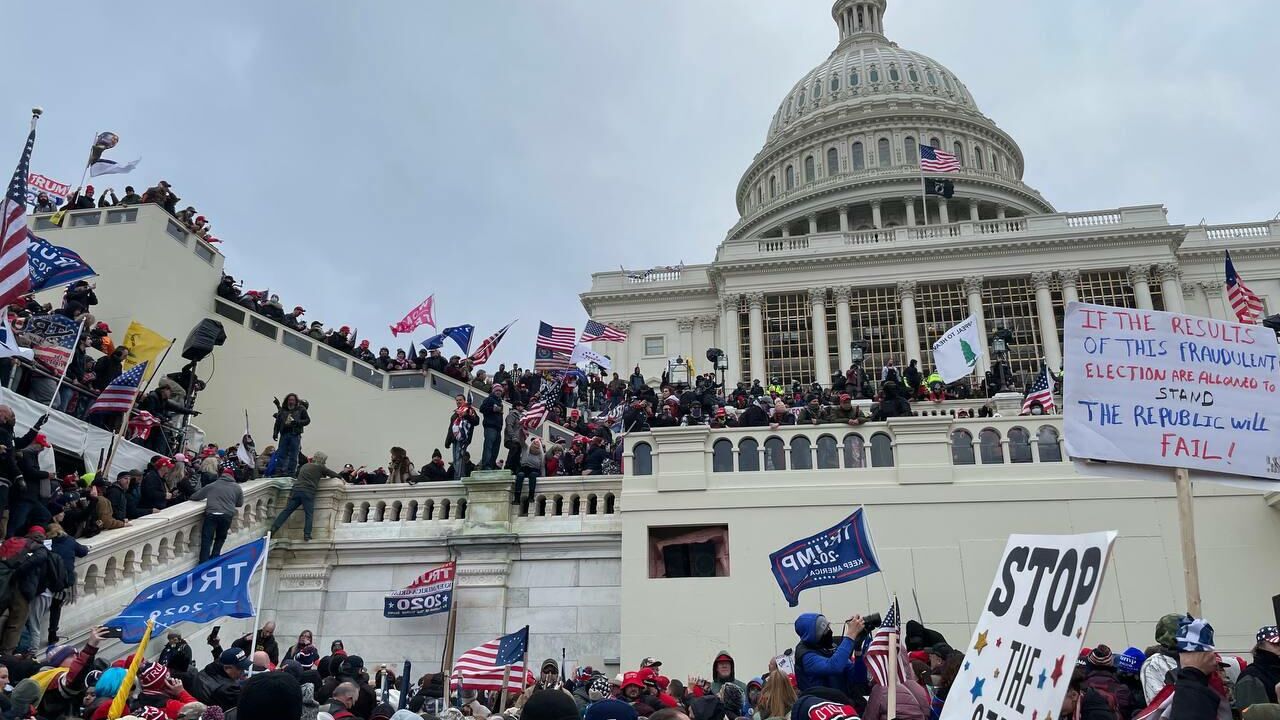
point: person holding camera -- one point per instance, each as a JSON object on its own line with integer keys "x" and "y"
{"x": 820, "y": 660}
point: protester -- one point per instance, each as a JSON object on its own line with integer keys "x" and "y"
{"x": 222, "y": 499}
{"x": 1258, "y": 683}
{"x": 819, "y": 660}
{"x": 458, "y": 435}
{"x": 1162, "y": 658}
{"x": 491, "y": 410}
{"x": 291, "y": 417}
{"x": 303, "y": 494}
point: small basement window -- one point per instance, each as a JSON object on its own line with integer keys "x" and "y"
{"x": 689, "y": 551}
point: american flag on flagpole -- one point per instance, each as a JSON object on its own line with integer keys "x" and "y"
{"x": 119, "y": 395}
{"x": 934, "y": 160}
{"x": 1041, "y": 392}
{"x": 1247, "y": 305}
{"x": 552, "y": 337}
{"x": 604, "y": 333}
{"x": 482, "y": 668}
{"x": 877, "y": 655}
{"x": 15, "y": 274}
{"x": 548, "y": 359}
{"x": 485, "y": 351}
{"x": 541, "y": 403}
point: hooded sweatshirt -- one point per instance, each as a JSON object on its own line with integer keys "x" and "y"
{"x": 819, "y": 664}
{"x": 717, "y": 682}
{"x": 1156, "y": 668}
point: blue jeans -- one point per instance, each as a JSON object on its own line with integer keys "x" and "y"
{"x": 492, "y": 443}
{"x": 303, "y": 500}
{"x": 212, "y": 534}
{"x": 290, "y": 446}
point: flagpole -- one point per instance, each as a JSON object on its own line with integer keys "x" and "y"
{"x": 506, "y": 677}
{"x": 36, "y": 112}
{"x": 924, "y": 198}
{"x": 893, "y": 674}
{"x": 75, "y": 347}
{"x": 446, "y": 662}
{"x": 124, "y": 422}
{"x": 257, "y": 608}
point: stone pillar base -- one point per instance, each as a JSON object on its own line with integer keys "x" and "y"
{"x": 1008, "y": 404}
{"x": 488, "y": 502}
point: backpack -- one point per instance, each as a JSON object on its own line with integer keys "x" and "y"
{"x": 55, "y": 573}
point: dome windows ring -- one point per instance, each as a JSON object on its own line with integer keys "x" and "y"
{"x": 835, "y": 83}
{"x": 857, "y": 160}
{"x": 854, "y": 77}
{"x": 800, "y": 101}
{"x": 933, "y": 80}
{"x": 893, "y": 73}
{"x": 873, "y": 74}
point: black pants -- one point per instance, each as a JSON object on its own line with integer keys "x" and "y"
{"x": 213, "y": 534}
{"x": 526, "y": 473}
{"x": 55, "y": 616}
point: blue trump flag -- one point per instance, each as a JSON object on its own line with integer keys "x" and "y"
{"x": 52, "y": 265}
{"x": 218, "y": 587}
{"x": 835, "y": 555}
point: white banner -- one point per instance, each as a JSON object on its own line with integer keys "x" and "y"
{"x": 956, "y": 353}
{"x": 584, "y": 353}
{"x": 1025, "y": 644}
{"x": 1158, "y": 388}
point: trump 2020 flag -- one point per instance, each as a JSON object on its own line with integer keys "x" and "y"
{"x": 835, "y": 555}
{"x": 52, "y": 265}
{"x": 956, "y": 353}
{"x": 218, "y": 587}
{"x": 431, "y": 593}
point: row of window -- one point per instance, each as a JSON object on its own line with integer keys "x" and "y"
{"x": 858, "y": 159}
{"x": 854, "y": 79}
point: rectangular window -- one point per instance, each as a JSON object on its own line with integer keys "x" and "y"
{"x": 655, "y": 345}
{"x": 1011, "y": 303}
{"x": 176, "y": 231}
{"x": 788, "y": 339}
{"x": 44, "y": 223}
{"x": 939, "y": 307}
{"x": 689, "y": 551}
{"x": 263, "y": 327}
{"x": 406, "y": 380}
{"x": 369, "y": 375}
{"x": 876, "y": 317}
{"x": 85, "y": 218}
{"x": 126, "y": 215}
{"x": 297, "y": 342}
{"x": 229, "y": 311}
{"x": 331, "y": 358}
{"x": 205, "y": 252}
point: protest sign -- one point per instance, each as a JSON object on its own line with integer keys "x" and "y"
{"x": 1026, "y": 641}
{"x": 431, "y": 593}
{"x": 1159, "y": 388}
{"x": 835, "y": 555}
{"x": 37, "y": 183}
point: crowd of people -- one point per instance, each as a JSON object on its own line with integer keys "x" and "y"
{"x": 825, "y": 676}
{"x": 82, "y": 198}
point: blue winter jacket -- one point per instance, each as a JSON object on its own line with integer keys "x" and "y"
{"x": 817, "y": 666}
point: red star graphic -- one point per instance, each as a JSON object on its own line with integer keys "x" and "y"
{"x": 998, "y": 641}
{"x": 1057, "y": 669}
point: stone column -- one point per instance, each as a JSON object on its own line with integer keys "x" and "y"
{"x": 622, "y": 357}
{"x": 1048, "y": 324}
{"x": 973, "y": 210}
{"x": 876, "y": 221}
{"x": 813, "y": 223}
{"x": 729, "y": 340}
{"x": 910, "y": 335}
{"x": 786, "y": 229}
{"x": 844, "y": 327}
{"x": 1070, "y": 279}
{"x": 1215, "y": 299}
{"x": 844, "y": 218}
{"x": 755, "y": 328}
{"x": 1171, "y": 285}
{"x": 943, "y": 217}
{"x": 685, "y": 326}
{"x": 999, "y": 212}
{"x": 1139, "y": 278}
{"x": 821, "y": 349}
{"x": 910, "y": 200}
{"x": 973, "y": 289}
{"x": 706, "y": 340}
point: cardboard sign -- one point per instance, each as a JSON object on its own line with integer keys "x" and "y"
{"x": 1025, "y": 645}
{"x": 1158, "y": 388}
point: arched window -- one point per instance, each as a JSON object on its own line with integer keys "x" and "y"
{"x": 642, "y": 456}
{"x": 748, "y": 455}
{"x": 873, "y": 74}
{"x": 773, "y": 186}
{"x": 800, "y": 101}
{"x": 912, "y": 74}
{"x": 854, "y": 77}
{"x": 722, "y": 456}
{"x": 995, "y": 161}
{"x": 882, "y": 151}
{"x": 801, "y": 453}
{"x": 791, "y": 177}
{"x": 910, "y": 151}
{"x": 935, "y": 143}
{"x": 810, "y": 171}
{"x": 881, "y": 450}
{"x": 958, "y": 150}
{"x": 1019, "y": 445}
{"x": 928, "y": 74}
{"x": 854, "y": 451}
{"x": 834, "y": 85}
{"x": 893, "y": 73}
{"x": 857, "y": 160}
{"x": 1047, "y": 439}
{"x": 775, "y": 454}
{"x": 989, "y": 442}
{"x": 833, "y": 161}
{"x": 758, "y": 198}
{"x": 946, "y": 80}
{"x": 817, "y": 90}
{"x": 961, "y": 447}
{"x": 977, "y": 157}
{"x": 828, "y": 453}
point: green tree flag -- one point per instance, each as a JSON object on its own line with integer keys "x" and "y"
{"x": 956, "y": 353}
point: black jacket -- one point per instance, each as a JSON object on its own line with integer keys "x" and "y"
{"x": 119, "y": 501}
{"x": 1264, "y": 671}
{"x": 753, "y": 416}
{"x": 436, "y": 362}
{"x": 364, "y": 704}
{"x": 212, "y": 686}
{"x": 153, "y": 492}
{"x": 176, "y": 657}
{"x": 106, "y": 369}
{"x": 432, "y": 472}
{"x": 8, "y": 455}
{"x": 491, "y": 409}
{"x": 299, "y": 418}
{"x": 1193, "y": 699}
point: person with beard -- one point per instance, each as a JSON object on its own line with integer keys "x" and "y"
{"x": 1257, "y": 683}
{"x": 633, "y": 693}
{"x": 820, "y": 661}
{"x": 350, "y": 671}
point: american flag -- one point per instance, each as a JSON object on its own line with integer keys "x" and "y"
{"x": 482, "y": 668}
{"x": 877, "y": 656}
{"x": 485, "y": 351}
{"x": 934, "y": 160}
{"x": 15, "y": 276}
{"x": 542, "y": 402}
{"x": 548, "y": 359}
{"x": 119, "y": 395}
{"x": 555, "y": 338}
{"x": 599, "y": 331}
{"x": 1041, "y": 392}
{"x": 141, "y": 425}
{"x": 1247, "y": 306}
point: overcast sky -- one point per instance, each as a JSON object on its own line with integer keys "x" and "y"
{"x": 357, "y": 157}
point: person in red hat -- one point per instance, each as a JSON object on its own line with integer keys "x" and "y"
{"x": 294, "y": 319}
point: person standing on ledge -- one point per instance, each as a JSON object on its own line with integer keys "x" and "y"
{"x": 291, "y": 417}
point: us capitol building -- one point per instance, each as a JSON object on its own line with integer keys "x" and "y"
{"x": 835, "y": 244}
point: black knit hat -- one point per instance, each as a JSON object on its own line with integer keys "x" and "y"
{"x": 549, "y": 705}
{"x": 270, "y": 696}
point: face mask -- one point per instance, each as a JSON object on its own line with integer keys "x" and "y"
{"x": 823, "y": 626}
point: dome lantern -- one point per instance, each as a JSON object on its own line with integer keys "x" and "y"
{"x": 859, "y": 18}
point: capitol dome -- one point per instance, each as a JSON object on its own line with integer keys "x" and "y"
{"x": 842, "y": 150}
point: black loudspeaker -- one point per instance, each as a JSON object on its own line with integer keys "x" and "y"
{"x": 202, "y": 339}
{"x": 675, "y": 560}
{"x": 714, "y": 354}
{"x": 702, "y": 559}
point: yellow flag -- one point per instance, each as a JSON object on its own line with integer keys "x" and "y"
{"x": 144, "y": 345}
{"x": 121, "y": 701}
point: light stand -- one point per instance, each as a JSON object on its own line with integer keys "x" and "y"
{"x": 1001, "y": 339}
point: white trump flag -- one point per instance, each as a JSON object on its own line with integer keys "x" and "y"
{"x": 956, "y": 353}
